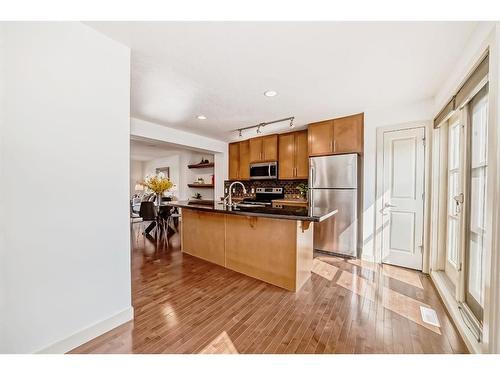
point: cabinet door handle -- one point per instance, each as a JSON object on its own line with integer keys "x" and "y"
{"x": 331, "y": 145}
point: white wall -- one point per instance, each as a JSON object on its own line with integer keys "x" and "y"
{"x": 399, "y": 114}
{"x": 66, "y": 268}
{"x": 146, "y": 129}
{"x": 136, "y": 174}
{"x": 173, "y": 162}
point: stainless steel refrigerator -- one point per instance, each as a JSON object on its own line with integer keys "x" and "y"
{"x": 333, "y": 184}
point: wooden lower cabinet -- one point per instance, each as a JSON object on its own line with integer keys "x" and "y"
{"x": 276, "y": 251}
{"x": 203, "y": 235}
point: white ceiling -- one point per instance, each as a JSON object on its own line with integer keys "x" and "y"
{"x": 145, "y": 150}
{"x": 320, "y": 70}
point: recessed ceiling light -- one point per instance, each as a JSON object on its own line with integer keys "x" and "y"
{"x": 201, "y": 117}
{"x": 270, "y": 93}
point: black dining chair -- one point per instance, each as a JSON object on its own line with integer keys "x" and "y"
{"x": 147, "y": 212}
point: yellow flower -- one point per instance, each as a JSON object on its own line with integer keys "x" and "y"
{"x": 158, "y": 183}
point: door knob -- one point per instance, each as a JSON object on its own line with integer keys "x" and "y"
{"x": 386, "y": 205}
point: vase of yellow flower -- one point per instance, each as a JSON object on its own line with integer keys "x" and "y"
{"x": 159, "y": 184}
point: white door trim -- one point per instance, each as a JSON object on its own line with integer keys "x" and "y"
{"x": 380, "y": 182}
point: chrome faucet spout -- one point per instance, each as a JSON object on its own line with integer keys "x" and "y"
{"x": 229, "y": 196}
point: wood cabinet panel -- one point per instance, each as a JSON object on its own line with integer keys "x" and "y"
{"x": 348, "y": 134}
{"x": 293, "y": 156}
{"x": 320, "y": 136}
{"x": 270, "y": 148}
{"x": 301, "y": 155}
{"x": 234, "y": 161}
{"x": 255, "y": 147}
{"x": 286, "y": 163}
{"x": 244, "y": 167}
{"x": 203, "y": 235}
{"x": 270, "y": 255}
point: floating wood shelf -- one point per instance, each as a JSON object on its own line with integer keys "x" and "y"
{"x": 205, "y": 165}
{"x": 200, "y": 185}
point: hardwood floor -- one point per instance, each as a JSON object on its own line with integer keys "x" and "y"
{"x": 187, "y": 305}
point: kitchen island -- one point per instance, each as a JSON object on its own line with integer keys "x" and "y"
{"x": 271, "y": 244}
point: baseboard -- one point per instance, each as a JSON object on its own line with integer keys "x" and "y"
{"x": 451, "y": 305}
{"x": 89, "y": 333}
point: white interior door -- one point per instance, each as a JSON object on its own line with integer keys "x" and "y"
{"x": 403, "y": 197}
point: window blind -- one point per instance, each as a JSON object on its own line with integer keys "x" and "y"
{"x": 474, "y": 82}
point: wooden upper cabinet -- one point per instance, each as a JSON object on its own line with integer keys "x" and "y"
{"x": 293, "y": 156}
{"x": 255, "y": 149}
{"x": 286, "y": 163}
{"x": 337, "y": 136}
{"x": 301, "y": 155}
{"x": 270, "y": 148}
{"x": 264, "y": 148}
{"x": 348, "y": 134}
{"x": 234, "y": 161}
{"x": 320, "y": 138}
{"x": 244, "y": 167}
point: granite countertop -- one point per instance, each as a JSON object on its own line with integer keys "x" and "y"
{"x": 315, "y": 214}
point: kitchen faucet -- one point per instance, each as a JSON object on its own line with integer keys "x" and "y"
{"x": 229, "y": 196}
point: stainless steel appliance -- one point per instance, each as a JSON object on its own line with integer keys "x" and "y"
{"x": 333, "y": 183}
{"x": 264, "y": 171}
{"x": 264, "y": 197}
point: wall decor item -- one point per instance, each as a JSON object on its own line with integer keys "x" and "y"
{"x": 164, "y": 170}
{"x": 197, "y": 196}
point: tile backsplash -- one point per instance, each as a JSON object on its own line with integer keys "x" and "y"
{"x": 290, "y": 187}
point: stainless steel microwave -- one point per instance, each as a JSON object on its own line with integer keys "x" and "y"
{"x": 264, "y": 171}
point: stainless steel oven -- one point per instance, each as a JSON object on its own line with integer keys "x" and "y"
{"x": 264, "y": 171}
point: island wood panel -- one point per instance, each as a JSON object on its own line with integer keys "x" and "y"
{"x": 234, "y": 161}
{"x": 203, "y": 235}
{"x": 348, "y": 134}
{"x": 262, "y": 248}
{"x": 304, "y": 256}
{"x": 279, "y": 252}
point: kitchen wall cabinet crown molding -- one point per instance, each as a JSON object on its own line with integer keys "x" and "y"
{"x": 337, "y": 136}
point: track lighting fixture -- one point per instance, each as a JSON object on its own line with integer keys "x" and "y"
{"x": 262, "y": 124}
